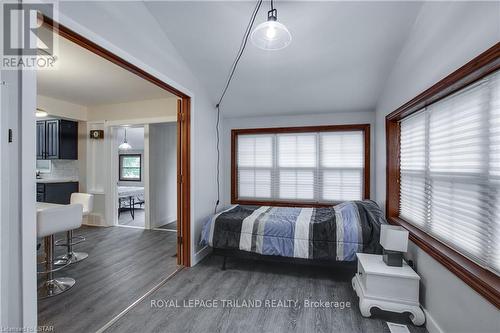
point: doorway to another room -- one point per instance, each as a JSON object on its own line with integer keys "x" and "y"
{"x": 130, "y": 185}
{"x": 127, "y": 134}
{"x": 145, "y": 170}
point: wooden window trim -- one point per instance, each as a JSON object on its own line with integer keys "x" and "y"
{"x": 480, "y": 279}
{"x": 276, "y": 130}
{"x": 120, "y": 161}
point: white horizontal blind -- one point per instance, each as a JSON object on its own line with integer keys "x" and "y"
{"x": 255, "y": 165}
{"x": 413, "y": 200}
{"x": 450, "y": 171}
{"x": 305, "y": 167}
{"x": 296, "y": 166}
{"x": 342, "y": 165}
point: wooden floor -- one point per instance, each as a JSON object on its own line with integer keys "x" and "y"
{"x": 123, "y": 264}
{"x": 139, "y": 219}
{"x": 250, "y": 280}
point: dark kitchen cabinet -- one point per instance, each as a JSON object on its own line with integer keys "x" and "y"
{"x": 57, "y": 140}
{"x": 57, "y": 193}
{"x": 40, "y": 140}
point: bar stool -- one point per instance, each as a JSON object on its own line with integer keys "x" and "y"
{"x": 87, "y": 201}
{"x": 49, "y": 222}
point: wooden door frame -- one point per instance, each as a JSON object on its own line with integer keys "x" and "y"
{"x": 183, "y": 133}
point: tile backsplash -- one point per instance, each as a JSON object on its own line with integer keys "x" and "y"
{"x": 63, "y": 169}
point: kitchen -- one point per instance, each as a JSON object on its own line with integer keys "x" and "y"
{"x": 80, "y": 106}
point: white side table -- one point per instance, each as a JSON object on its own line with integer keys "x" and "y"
{"x": 388, "y": 288}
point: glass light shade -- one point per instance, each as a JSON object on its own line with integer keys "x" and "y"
{"x": 124, "y": 146}
{"x": 40, "y": 113}
{"x": 271, "y": 35}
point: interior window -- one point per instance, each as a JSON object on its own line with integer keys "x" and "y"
{"x": 130, "y": 167}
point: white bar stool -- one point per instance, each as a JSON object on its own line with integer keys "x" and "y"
{"x": 87, "y": 201}
{"x": 49, "y": 222}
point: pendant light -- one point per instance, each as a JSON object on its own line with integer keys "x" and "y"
{"x": 125, "y": 145}
{"x": 39, "y": 113}
{"x": 271, "y": 35}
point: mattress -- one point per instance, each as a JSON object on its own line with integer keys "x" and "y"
{"x": 130, "y": 191}
{"x": 329, "y": 233}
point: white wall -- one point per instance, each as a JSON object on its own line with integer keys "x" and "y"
{"x": 338, "y": 118}
{"x": 163, "y": 173}
{"x": 445, "y": 36}
{"x": 59, "y": 108}
{"x": 152, "y": 108}
{"x": 145, "y": 45}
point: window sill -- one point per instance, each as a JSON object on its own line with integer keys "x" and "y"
{"x": 478, "y": 278}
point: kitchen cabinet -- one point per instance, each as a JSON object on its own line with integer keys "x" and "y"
{"x": 57, "y": 193}
{"x": 57, "y": 139}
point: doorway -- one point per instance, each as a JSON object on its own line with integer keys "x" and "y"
{"x": 183, "y": 133}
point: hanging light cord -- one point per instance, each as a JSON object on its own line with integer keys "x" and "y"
{"x": 228, "y": 82}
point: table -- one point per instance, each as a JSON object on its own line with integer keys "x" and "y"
{"x": 387, "y": 287}
{"x": 130, "y": 193}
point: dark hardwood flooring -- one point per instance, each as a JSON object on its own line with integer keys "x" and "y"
{"x": 139, "y": 219}
{"x": 252, "y": 280}
{"x": 123, "y": 264}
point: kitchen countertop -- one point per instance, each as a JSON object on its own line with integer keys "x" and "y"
{"x": 56, "y": 180}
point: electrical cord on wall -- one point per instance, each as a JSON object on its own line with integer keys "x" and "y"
{"x": 228, "y": 82}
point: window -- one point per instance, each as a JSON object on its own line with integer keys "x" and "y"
{"x": 130, "y": 167}
{"x": 443, "y": 172}
{"x": 310, "y": 165}
{"x": 450, "y": 180}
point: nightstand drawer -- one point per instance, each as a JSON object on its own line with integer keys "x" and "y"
{"x": 390, "y": 287}
{"x": 380, "y": 281}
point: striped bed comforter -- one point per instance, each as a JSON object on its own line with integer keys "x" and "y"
{"x": 331, "y": 233}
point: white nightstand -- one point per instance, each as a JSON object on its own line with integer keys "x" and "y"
{"x": 388, "y": 288}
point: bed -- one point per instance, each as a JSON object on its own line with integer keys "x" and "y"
{"x": 326, "y": 235}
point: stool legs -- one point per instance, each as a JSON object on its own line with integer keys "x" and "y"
{"x": 52, "y": 286}
{"x": 70, "y": 255}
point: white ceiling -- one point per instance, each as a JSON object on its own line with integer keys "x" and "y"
{"x": 81, "y": 77}
{"x": 339, "y": 59}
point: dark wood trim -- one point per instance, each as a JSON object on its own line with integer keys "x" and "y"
{"x": 184, "y": 150}
{"x": 186, "y": 180}
{"x": 100, "y": 51}
{"x": 120, "y": 167}
{"x": 480, "y": 279}
{"x": 479, "y": 67}
{"x": 179, "y": 182}
{"x": 303, "y": 129}
{"x": 393, "y": 142}
{"x": 367, "y": 167}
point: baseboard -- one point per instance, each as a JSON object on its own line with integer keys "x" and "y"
{"x": 168, "y": 220}
{"x": 198, "y": 256}
{"x": 95, "y": 225}
{"x": 430, "y": 324}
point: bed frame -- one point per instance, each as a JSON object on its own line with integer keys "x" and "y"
{"x": 297, "y": 261}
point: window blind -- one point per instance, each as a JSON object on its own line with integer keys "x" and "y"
{"x": 450, "y": 171}
{"x": 305, "y": 167}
